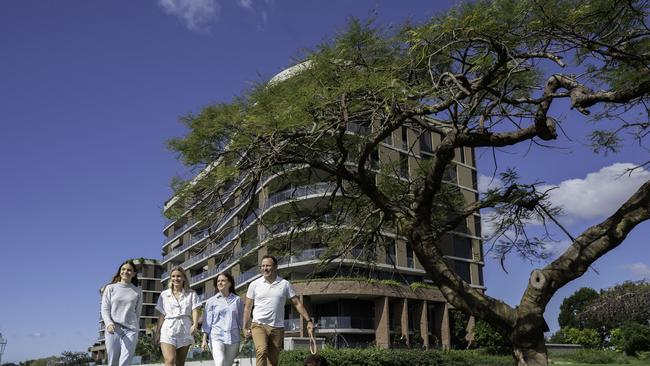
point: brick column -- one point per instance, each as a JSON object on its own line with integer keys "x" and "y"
{"x": 382, "y": 326}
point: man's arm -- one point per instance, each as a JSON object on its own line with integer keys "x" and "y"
{"x": 303, "y": 312}
{"x": 247, "y": 317}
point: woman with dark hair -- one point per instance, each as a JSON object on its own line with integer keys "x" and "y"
{"x": 222, "y": 321}
{"x": 179, "y": 315}
{"x": 121, "y": 307}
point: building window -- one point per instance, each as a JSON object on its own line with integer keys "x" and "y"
{"x": 462, "y": 247}
{"x": 480, "y": 275}
{"x": 405, "y": 139}
{"x": 391, "y": 257}
{"x": 410, "y": 255}
{"x": 462, "y": 269}
{"x": 374, "y": 159}
{"x": 389, "y": 139}
{"x": 450, "y": 174}
{"x": 425, "y": 143}
{"x": 461, "y": 154}
{"x": 477, "y": 226}
{"x": 403, "y": 165}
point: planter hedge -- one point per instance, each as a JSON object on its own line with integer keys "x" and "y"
{"x": 405, "y": 357}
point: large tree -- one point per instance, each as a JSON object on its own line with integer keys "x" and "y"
{"x": 573, "y": 305}
{"x": 488, "y": 75}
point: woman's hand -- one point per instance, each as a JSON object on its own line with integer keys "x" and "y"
{"x": 204, "y": 345}
{"x": 110, "y": 328}
{"x": 193, "y": 329}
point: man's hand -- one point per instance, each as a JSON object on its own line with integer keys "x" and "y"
{"x": 247, "y": 333}
{"x": 204, "y": 345}
{"x": 110, "y": 328}
{"x": 310, "y": 328}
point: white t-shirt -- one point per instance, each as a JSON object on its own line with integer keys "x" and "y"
{"x": 171, "y": 308}
{"x": 269, "y": 300}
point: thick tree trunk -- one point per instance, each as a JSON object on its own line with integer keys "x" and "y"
{"x": 527, "y": 337}
{"x": 531, "y": 356}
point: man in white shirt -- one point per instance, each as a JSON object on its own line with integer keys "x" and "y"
{"x": 269, "y": 293}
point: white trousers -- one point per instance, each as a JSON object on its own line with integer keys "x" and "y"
{"x": 120, "y": 346}
{"x": 224, "y": 354}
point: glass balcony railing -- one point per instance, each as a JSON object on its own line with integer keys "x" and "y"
{"x": 288, "y": 194}
{"x": 304, "y": 256}
{"x": 358, "y": 128}
{"x": 291, "y": 325}
{"x": 254, "y": 273}
{"x": 180, "y": 231}
{"x": 345, "y": 322}
{"x": 222, "y": 266}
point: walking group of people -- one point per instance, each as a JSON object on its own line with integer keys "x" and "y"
{"x": 224, "y": 318}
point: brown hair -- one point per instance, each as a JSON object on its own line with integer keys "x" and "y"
{"x": 134, "y": 280}
{"x": 274, "y": 259}
{"x": 230, "y": 278}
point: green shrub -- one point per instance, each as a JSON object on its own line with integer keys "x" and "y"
{"x": 486, "y": 337}
{"x": 595, "y": 356}
{"x": 631, "y": 338}
{"x": 589, "y": 338}
{"x": 396, "y": 357}
{"x": 557, "y": 337}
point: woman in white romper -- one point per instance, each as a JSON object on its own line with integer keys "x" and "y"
{"x": 178, "y": 320}
{"x": 222, "y": 321}
{"x": 121, "y": 307}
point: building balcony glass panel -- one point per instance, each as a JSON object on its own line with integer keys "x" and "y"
{"x": 291, "y": 325}
{"x": 345, "y": 322}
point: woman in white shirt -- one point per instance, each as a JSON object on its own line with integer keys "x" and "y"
{"x": 222, "y": 321}
{"x": 178, "y": 307}
{"x": 121, "y": 307}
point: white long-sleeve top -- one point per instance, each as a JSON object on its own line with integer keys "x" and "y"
{"x": 122, "y": 304}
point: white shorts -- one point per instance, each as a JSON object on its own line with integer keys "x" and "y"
{"x": 177, "y": 332}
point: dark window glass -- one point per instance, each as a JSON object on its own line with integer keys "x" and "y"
{"x": 425, "y": 143}
{"x": 462, "y": 247}
{"x": 403, "y": 165}
{"x": 462, "y": 269}
{"x": 405, "y": 140}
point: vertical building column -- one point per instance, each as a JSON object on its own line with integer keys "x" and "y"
{"x": 306, "y": 302}
{"x": 382, "y": 326}
{"x": 404, "y": 320}
{"x": 421, "y": 318}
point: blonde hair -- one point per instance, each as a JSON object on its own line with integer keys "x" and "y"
{"x": 186, "y": 282}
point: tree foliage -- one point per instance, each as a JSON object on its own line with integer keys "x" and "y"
{"x": 484, "y": 75}
{"x": 573, "y": 305}
{"x": 631, "y": 338}
{"x": 618, "y": 305}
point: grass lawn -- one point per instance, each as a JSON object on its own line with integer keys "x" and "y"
{"x": 563, "y": 360}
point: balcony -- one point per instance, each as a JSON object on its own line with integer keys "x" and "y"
{"x": 321, "y": 188}
{"x": 222, "y": 266}
{"x": 180, "y": 231}
{"x": 304, "y": 256}
{"x": 345, "y": 322}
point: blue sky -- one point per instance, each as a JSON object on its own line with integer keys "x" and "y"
{"x": 89, "y": 93}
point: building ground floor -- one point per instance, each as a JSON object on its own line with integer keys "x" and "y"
{"x": 360, "y": 313}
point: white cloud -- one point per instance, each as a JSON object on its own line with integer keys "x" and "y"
{"x": 487, "y": 182}
{"x": 248, "y": 4}
{"x": 638, "y": 269}
{"x": 599, "y": 194}
{"x": 195, "y": 14}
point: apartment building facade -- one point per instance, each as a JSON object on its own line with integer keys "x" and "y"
{"x": 149, "y": 274}
{"x": 385, "y": 300}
